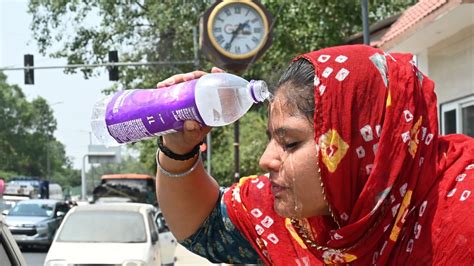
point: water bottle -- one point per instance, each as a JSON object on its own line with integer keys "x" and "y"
{"x": 216, "y": 99}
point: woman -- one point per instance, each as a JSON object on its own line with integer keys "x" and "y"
{"x": 356, "y": 173}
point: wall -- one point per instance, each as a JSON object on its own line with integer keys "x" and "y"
{"x": 451, "y": 65}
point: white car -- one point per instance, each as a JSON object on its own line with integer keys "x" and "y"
{"x": 168, "y": 242}
{"x": 109, "y": 234}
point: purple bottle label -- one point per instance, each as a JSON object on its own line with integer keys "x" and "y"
{"x": 134, "y": 115}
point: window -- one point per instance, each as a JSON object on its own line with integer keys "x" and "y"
{"x": 104, "y": 226}
{"x": 10, "y": 254}
{"x": 458, "y": 116}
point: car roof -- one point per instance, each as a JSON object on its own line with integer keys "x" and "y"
{"x": 116, "y": 206}
{"x": 39, "y": 201}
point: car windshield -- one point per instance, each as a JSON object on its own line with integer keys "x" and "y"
{"x": 138, "y": 184}
{"x": 6, "y": 205}
{"x": 32, "y": 209}
{"x": 103, "y": 226}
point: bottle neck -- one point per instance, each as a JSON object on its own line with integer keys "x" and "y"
{"x": 258, "y": 90}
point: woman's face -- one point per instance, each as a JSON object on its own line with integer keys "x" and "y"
{"x": 291, "y": 161}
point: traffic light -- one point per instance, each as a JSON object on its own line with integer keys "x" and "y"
{"x": 113, "y": 70}
{"x": 29, "y": 73}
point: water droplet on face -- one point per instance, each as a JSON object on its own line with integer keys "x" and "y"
{"x": 297, "y": 204}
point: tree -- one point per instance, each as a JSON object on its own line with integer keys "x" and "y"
{"x": 26, "y": 136}
{"x": 162, "y": 31}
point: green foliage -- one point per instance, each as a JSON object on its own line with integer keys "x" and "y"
{"x": 26, "y": 137}
{"x": 5, "y": 175}
{"x": 151, "y": 31}
{"x": 253, "y": 141}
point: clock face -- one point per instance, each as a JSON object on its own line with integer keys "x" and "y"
{"x": 238, "y": 30}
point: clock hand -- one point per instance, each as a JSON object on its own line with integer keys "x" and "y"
{"x": 234, "y": 34}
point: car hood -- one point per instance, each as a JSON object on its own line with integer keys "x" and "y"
{"x": 97, "y": 253}
{"x": 20, "y": 220}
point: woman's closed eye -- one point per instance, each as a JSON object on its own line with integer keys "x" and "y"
{"x": 290, "y": 146}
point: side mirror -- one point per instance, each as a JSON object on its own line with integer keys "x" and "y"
{"x": 60, "y": 214}
{"x": 154, "y": 237}
{"x": 5, "y": 212}
{"x": 161, "y": 224}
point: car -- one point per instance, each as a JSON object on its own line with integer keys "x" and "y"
{"x": 10, "y": 253}
{"x": 168, "y": 242}
{"x": 107, "y": 234}
{"x": 137, "y": 187}
{"x": 33, "y": 188}
{"x": 34, "y": 222}
{"x": 103, "y": 200}
{"x": 8, "y": 201}
{"x": 22, "y": 188}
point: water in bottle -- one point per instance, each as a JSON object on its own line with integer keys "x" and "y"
{"x": 216, "y": 99}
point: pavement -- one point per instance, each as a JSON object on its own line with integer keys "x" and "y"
{"x": 186, "y": 257}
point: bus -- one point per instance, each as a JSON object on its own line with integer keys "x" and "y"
{"x": 125, "y": 187}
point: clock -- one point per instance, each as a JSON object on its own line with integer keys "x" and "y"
{"x": 237, "y": 29}
{"x": 235, "y": 32}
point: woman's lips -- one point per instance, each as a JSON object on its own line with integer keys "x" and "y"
{"x": 277, "y": 190}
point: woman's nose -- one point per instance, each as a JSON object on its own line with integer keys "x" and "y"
{"x": 270, "y": 160}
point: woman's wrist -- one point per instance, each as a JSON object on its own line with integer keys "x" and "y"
{"x": 177, "y": 145}
{"x": 179, "y": 156}
{"x": 176, "y": 170}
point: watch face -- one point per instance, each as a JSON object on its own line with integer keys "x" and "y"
{"x": 238, "y": 30}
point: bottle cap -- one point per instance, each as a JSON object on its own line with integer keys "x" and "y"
{"x": 259, "y": 90}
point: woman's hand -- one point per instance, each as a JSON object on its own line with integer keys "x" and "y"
{"x": 184, "y": 141}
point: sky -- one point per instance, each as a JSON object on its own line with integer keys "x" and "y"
{"x": 69, "y": 95}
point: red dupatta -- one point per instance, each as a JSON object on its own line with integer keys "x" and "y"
{"x": 398, "y": 192}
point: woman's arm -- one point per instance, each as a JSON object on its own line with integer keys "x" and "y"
{"x": 188, "y": 200}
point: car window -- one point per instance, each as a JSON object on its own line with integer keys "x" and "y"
{"x": 62, "y": 207}
{"x": 103, "y": 226}
{"x": 138, "y": 184}
{"x": 10, "y": 254}
{"x": 4, "y": 255}
{"x": 151, "y": 222}
{"x": 31, "y": 209}
{"x": 6, "y": 205}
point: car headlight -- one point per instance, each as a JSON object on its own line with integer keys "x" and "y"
{"x": 56, "y": 263}
{"x": 133, "y": 263}
{"x": 41, "y": 225}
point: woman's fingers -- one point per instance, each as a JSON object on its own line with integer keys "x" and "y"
{"x": 180, "y": 78}
{"x": 194, "y": 131}
{"x": 184, "y": 141}
{"x": 216, "y": 70}
{"x": 185, "y": 77}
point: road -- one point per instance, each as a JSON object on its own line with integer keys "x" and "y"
{"x": 35, "y": 257}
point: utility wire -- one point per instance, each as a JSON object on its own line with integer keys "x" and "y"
{"x": 186, "y": 62}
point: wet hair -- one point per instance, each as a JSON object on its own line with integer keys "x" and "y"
{"x": 296, "y": 85}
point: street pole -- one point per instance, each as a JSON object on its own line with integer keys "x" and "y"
{"x": 236, "y": 151}
{"x": 365, "y": 21}
{"x": 48, "y": 164}
{"x": 197, "y": 66}
{"x": 83, "y": 178}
